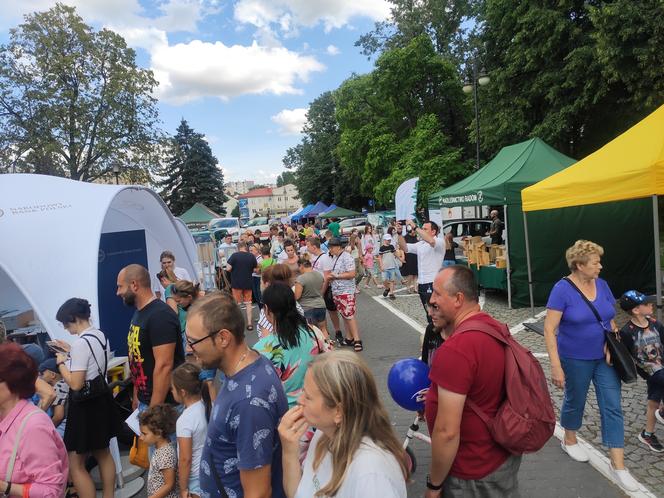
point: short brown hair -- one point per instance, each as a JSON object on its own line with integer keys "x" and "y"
{"x": 314, "y": 241}
{"x": 219, "y": 311}
{"x": 187, "y": 288}
{"x": 277, "y": 273}
{"x": 160, "y": 419}
{"x": 580, "y": 252}
{"x": 139, "y": 274}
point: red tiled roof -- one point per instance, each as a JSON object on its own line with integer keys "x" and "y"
{"x": 259, "y": 192}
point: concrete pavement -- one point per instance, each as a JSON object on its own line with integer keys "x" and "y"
{"x": 387, "y": 338}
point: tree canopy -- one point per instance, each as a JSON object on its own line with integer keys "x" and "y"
{"x": 191, "y": 173}
{"x": 73, "y": 102}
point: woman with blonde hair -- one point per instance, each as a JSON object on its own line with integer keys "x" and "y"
{"x": 167, "y": 278}
{"x": 577, "y": 353}
{"x": 355, "y": 451}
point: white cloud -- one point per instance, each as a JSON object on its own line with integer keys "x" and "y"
{"x": 291, "y": 121}
{"x": 332, "y": 13}
{"x": 332, "y": 50}
{"x": 188, "y": 71}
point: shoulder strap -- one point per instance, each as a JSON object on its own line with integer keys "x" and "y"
{"x": 12, "y": 459}
{"x": 103, "y": 347}
{"x": 477, "y": 325}
{"x": 590, "y": 305}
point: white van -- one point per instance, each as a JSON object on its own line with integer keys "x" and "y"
{"x": 231, "y": 225}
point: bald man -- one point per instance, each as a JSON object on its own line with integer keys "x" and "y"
{"x": 154, "y": 340}
{"x": 496, "y": 230}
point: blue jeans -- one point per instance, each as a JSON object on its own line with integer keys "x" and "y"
{"x": 578, "y": 374}
{"x": 256, "y": 290}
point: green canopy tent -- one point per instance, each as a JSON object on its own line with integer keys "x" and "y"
{"x": 339, "y": 212}
{"x": 198, "y": 215}
{"x": 499, "y": 183}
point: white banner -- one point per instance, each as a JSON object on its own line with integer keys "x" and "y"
{"x": 405, "y": 199}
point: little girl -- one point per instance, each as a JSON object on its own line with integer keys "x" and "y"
{"x": 368, "y": 263}
{"x": 156, "y": 424}
{"x": 191, "y": 426}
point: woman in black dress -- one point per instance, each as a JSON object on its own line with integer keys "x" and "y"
{"x": 409, "y": 268}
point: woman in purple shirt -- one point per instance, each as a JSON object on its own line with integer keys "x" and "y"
{"x": 40, "y": 467}
{"x": 578, "y": 355}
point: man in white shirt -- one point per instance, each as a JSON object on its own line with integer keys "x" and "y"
{"x": 430, "y": 252}
{"x": 167, "y": 260}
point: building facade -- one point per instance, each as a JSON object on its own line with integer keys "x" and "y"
{"x": 241, "y": 187}
{"x": 274, "y": 202}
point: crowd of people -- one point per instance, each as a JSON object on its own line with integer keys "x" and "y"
{"x": 298, "y": 414}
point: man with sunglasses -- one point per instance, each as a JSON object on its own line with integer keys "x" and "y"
{"x": 243, "y": 457}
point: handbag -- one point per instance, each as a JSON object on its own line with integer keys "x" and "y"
{"x": 17, "y": 441}
{"x": 97, "y": 387}
{"x": 620, "y": 356}
{"x": 138, "y": 454}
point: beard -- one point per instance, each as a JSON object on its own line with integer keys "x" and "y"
{"x": 129, "y": 298}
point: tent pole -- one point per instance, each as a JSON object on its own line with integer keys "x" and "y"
{"x": 658, "y": 270}
{"x": 530, "y": 272}
{"x": 507, "y": 259}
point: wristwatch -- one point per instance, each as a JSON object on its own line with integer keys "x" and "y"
{"x": 432, "y": 486}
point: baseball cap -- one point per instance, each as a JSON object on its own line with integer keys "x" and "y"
{"x": 334, "y": 241}
{"x": 48, "y": 364}
{"x": 631, "y": 299}
{"x": 387, "y": 236}
{"x": 35, "y": 352}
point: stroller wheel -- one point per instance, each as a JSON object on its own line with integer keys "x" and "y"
{"x": 411, "y": 461}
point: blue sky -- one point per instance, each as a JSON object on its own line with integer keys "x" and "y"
{"x": 242, "y": 72}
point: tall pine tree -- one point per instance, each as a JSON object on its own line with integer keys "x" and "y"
{"x": 191, "y": 173}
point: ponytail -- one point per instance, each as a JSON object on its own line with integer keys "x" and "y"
{"x": 186, "y": 377}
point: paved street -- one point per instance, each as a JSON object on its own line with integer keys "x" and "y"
{"x": 388, "y": 339}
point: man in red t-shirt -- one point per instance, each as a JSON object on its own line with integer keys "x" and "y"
{"x": 465, "y": 459}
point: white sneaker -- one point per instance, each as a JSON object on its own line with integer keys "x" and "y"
{"x": 659, "y": 414}
{"x": 575, "y": 451}
{"x": 624, "y": 479}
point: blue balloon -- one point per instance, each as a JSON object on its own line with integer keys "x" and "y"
{"x": 408, "y": 381}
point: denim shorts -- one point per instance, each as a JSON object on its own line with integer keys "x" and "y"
{"x": 315, "y": 315}
{"x": 390, "y": 274}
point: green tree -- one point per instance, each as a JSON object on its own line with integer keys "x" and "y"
{"x": 74, "y": 98}
{"x": 286, "y": 178}
{"x": 412, "y": 92}
{"x": 314, "y": 160}
{"x": 445, "y": 23}
{"x": 191, "y": 173}
{"x": 235, "y": 213}
{"x": 573, "y": 73}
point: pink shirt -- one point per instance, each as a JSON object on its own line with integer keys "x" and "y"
{"x": 41, "y": 459}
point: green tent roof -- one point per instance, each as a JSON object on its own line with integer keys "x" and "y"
{"x": 501, "y": 180}
{"x": 340, "y": 212}
{"x": 198, "y": 214}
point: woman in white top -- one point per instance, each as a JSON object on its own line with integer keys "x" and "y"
{"x": 92, "y": 419}
{"x": 355, "y": 451}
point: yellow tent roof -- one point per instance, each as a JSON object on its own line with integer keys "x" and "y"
{"x": 631, "y": 166}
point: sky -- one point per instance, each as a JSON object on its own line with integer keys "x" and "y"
{"x": 242, "y": 72}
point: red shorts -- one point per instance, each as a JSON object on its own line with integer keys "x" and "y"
{"x": 242, "y": 295}
{"x": 345, "y": 305}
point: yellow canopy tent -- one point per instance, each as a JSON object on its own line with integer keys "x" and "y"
{"x": 631, "y": 166}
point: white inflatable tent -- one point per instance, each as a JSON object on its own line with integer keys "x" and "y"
{"x": 50, "y": 232}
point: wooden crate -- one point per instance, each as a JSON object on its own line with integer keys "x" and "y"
{"x": 501, "y": 262}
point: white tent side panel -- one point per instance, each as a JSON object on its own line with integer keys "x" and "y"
{"x": 49, "y": 239}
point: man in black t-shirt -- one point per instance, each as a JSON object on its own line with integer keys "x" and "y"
{"x": 241, "y": 265}
{"x": 154, "y": 339}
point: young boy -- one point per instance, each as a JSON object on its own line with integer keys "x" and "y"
{"x": 387, "y": 262}
{"x": 644, "y": 337}
{"x": 48, "y": 371}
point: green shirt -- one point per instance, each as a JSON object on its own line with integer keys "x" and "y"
{"x": 334, "y": 228}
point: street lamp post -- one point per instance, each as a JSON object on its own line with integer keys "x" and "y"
{"x": 116, "y": 172}
{"x": 481, "y": 79}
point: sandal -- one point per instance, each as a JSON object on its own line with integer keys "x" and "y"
{"x": 358, "y": 346}
{"x": 348, "y": 342}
